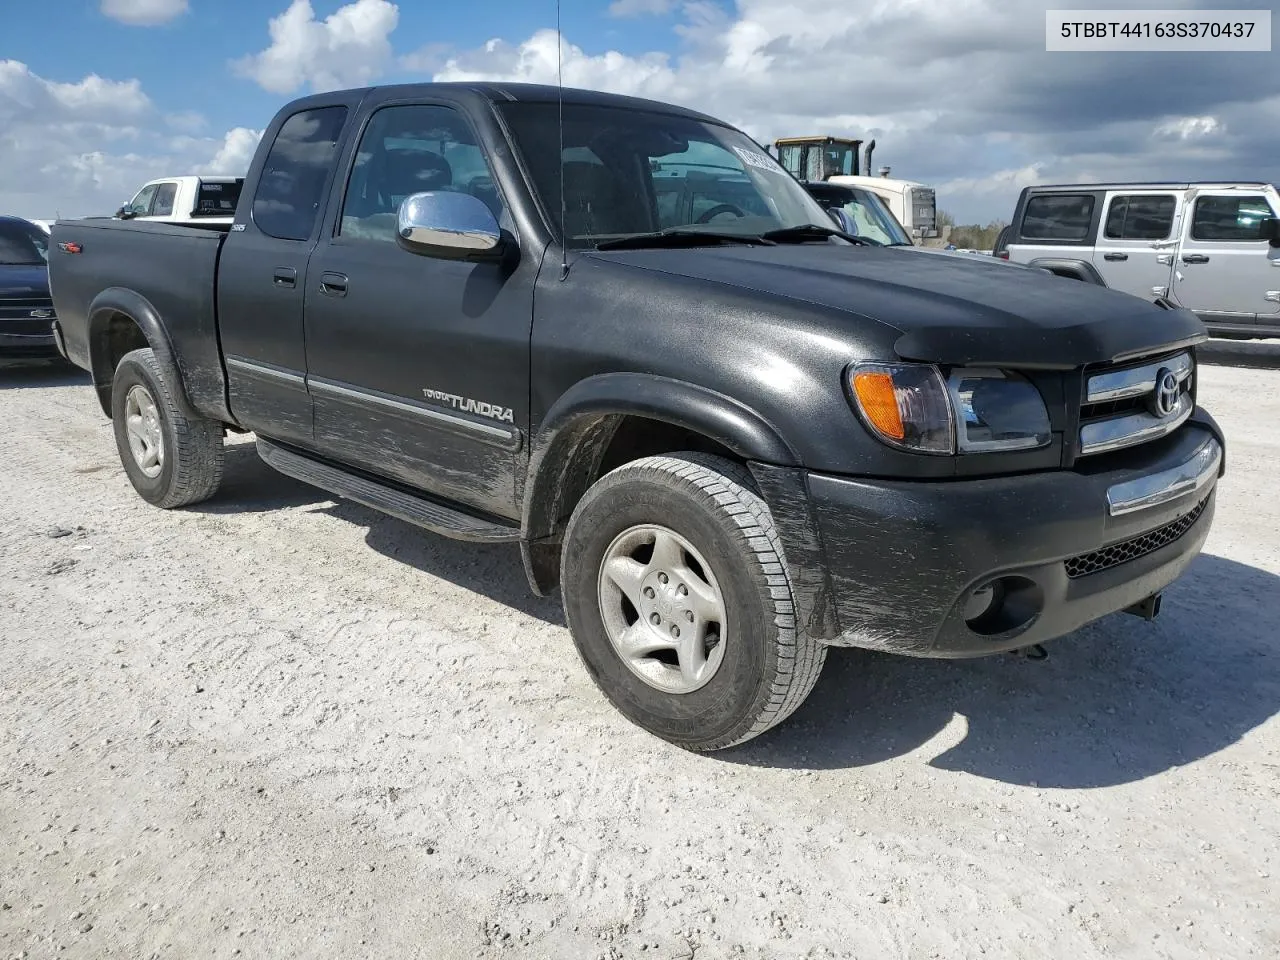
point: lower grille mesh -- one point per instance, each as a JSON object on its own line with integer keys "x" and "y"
{"x": 1119, "y": 553}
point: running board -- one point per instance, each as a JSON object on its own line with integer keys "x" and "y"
{"x": 412, "y": 509}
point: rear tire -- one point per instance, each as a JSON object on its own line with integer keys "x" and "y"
{"x": 694, "y": 523}
{"x": 172, "y": 460}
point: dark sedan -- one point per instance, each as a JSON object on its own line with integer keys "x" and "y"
{"x": 26, "y": 307}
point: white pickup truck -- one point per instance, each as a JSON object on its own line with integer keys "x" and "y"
{"x": 204, "y": 200}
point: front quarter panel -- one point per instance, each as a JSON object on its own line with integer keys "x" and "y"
{"x": 780, "y": 358}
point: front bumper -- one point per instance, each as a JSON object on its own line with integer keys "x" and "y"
{"x": 28, "y": 346}
{"x": 900, "y": 560}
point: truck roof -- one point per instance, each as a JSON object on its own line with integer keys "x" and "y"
{"x": 518, "y": 93}
{"x": 1150, "y": 185}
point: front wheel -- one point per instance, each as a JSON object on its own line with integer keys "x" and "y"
{"x": 677, "y": 595}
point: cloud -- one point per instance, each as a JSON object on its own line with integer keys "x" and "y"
{"x": 79, "y": 149}
{"x": 350, "y": 48}
{"x": 1188, "y": 128}
{"x": 640, "y": 8}
{"x": 961, "y": 94}
{"x": 235, "y": 154}
{"x": 144, "y": 13}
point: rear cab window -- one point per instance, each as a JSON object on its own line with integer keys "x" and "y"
{"x": 217, "y": 199}
{"x": 1058, "y": 218}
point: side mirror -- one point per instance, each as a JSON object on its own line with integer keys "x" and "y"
{"x": 126, "y": 212}
{"x": 451, "y": 226}
{"x": 1269, "y": 230}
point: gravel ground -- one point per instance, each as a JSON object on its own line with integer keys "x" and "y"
{"x": 276, "y": 725}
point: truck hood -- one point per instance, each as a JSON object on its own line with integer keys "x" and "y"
{"x": 20, "y": 280}
{"x": 945, "y": 309}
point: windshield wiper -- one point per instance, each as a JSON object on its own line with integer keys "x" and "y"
{"x": 679, "y": 237}
{"x": 813, "y": 231}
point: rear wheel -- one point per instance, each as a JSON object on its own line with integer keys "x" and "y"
{"x": 677, "y": 595}
{"x": 172, "y": 460}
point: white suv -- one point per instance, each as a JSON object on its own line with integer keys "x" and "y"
{"x": 1211, "y": 247}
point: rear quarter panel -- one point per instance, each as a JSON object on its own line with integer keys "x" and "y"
{"x": 139, "y": 267}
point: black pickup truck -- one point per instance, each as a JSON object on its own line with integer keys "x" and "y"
{"x": 631, "y": 343}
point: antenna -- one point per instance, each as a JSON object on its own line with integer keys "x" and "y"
{"x": 564, "y": 236}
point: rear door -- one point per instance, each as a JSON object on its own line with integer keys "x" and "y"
{"x": 1135, "y": 248}
{"x": 419, "y": 367}
{"x": 263, "y": 269}
{"x": 1223, "y": 271}
{"x": 1058, "y": 224}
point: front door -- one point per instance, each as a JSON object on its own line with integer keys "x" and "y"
{"x": 419, "y": 367}
{"x": 262, "y": 271}
{"x": 1136, "y": 246}
{"x": 1223, "y": 270}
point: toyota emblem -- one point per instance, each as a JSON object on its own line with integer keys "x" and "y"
{"x": 1166, "y": 395}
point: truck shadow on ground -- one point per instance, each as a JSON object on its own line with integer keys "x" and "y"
{"x": 493, "y": 570}
{"x": 28, "y": 375}
{"x": 1115, "y": 702}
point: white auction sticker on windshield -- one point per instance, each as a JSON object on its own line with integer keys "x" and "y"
{"x": 761, "y": 161}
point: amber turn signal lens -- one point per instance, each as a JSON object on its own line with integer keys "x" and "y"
{"x": 879, "y": 403}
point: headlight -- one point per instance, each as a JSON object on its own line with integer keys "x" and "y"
{"x": 910, "y": 406}
{"x": 996, "y": 410}
{"x": 905, "y": 404}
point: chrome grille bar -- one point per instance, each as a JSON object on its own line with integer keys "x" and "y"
{"x": 1135, "y": 381}
{"x": 1105, "y": 435}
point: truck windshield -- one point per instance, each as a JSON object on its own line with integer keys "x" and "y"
{"x": 875, "y": 221}
{"x": 19, "y": 245}
{"x": 629, "y": 172}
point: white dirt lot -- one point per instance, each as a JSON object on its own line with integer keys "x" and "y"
{"x": 276, "y": 725}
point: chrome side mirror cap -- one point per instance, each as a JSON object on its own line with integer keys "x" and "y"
{"x": 451, "y": 226}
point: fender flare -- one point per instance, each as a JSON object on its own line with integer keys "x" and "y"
{"x": 125, "y": 302}
{"x": 577, "y": 429}
{"x": 1067, "y": 267}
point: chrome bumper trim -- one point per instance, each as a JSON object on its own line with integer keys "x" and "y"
{"x": 1190, "y": 476}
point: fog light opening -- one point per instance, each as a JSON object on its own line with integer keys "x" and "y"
{"x": 1003, "y": 606}
{"x": 982, "y": 600}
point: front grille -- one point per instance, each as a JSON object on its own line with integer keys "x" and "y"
{"x": 1119, "y": 553}
{"x": 26, "y": 303}
{"x": 1136, "y": 402}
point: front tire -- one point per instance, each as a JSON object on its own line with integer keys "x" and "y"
{"x": 171, "y": 460}
{"x": 677, "y": 596}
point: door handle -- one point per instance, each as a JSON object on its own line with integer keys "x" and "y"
{"x": 333, "y": 284}
{"x": 1115, "y": 256}
{"x": 1165, "y": 258}
{"x": 285, "y": 277}
{"x": 1194, "y": 258}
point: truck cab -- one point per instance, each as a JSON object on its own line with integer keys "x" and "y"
{"x": 1213, "y": 248}
{"x": 207, "y": 200}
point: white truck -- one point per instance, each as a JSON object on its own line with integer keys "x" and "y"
{"x": 836, "y": 160}
{"x": 203, "y": 200}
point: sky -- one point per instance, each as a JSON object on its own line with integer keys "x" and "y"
{"x": 99, "y": 96}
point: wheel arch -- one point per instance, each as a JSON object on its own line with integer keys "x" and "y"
{"x": 574, "y": 440}
{"x": 121, "y": 320}
{"x": 1071, "y": 268}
